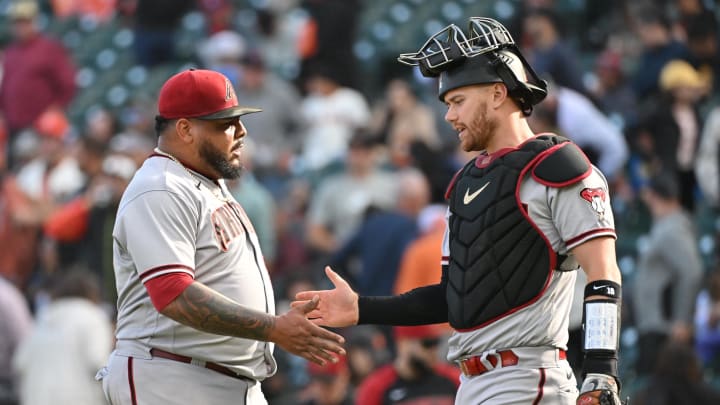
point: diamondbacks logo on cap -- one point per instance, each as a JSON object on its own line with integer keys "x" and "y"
{"x": 229, "y": 90}
{"x": 596, "y": 198}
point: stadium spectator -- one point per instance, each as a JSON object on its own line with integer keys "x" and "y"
{"x": 379, "y": 243}
{"x": 155, "y": 25}
{"x": 329, "y": 39}
{"x": 15, "y": 325}
{"x": 707, "y": 323}
{"x": 280, "y": 125}
{"x": 702, "y": 42}
{"x": 70, "y": 341}
{"x": 548, "y": 52}
{"x": 677, "y": 380}
{"x": 401, "y": 119}
{"x": 658, "y": 48}
{"x": 37, "y": 71}
{"x": 576, "y": 117}
{"x": 328, "y": 384}
{"x": 416, "y": 375}
{"x": 98, "y": 10}
{"x": 707, "y": 164}
{"x": 612, "y": 91}
{"x": 332, "y": 114}
{"x": 670, "y": 270}
{"x": 669, "y": 131}
{"x": 361, "y": 185}
{"x": 419, "y": 265}
{"x": 258, "y": 204}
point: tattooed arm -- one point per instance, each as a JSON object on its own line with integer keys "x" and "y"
{"x": 207, "y": 310}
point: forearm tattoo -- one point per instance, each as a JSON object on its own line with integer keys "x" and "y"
{"x": 206, "y": 310}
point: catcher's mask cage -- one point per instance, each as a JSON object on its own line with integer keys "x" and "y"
{"x": 488, "y": 54}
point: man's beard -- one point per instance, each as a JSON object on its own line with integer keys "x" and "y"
{"x": 481, "y": 129}
{"x": 219, "y": 162}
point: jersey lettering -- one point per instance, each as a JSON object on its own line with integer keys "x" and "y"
{"x": 227, "y": 224}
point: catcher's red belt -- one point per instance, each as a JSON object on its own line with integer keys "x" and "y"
{"x": 476, "y": 365}
{"x": 207, "y": 364}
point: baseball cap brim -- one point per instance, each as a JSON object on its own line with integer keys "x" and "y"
{"x": 230, "y": 113}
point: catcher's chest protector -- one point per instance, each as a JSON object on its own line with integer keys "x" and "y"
{"x": 499, "y": 262}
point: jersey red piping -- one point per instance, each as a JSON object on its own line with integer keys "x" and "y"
{"x": 553, "y": 256}
{"x": 589, "y": 233}
{"x": 150, "y": 272}
{"x": 566, "y": 183}
{"x": 131, "y": 381}
{"x": 483, "y": 161}
{"x": 541, "y": 387}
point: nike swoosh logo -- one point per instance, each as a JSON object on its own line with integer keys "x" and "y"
{"x": 599, "y": 287}
{"x": 469, "y": 197}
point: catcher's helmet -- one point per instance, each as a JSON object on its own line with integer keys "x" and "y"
{"x": 488, "y": 54}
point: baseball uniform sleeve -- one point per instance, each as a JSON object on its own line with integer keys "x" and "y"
{"x": 582, "y": 211}
{"x": 164, "y": 289}
{"x": 157, "y": 229}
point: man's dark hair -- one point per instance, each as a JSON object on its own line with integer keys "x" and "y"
{"x": 75, "y": 282}
{"x": 701, "y": 27}
{"x": 665, "y": 186}
{"x": 551, "y": 16}
{"x": 650, "y": 16}
{"x": 161, "y": 124}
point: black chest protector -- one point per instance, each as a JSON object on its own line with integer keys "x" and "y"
{"x": 499, "y": 260}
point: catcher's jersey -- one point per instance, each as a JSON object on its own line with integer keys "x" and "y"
{"x": 173, "y": 220}
{"x": 567, "y": 217}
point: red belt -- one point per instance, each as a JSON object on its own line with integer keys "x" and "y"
{"x": 184, "y": 359}
{"x": 474, "y": 365}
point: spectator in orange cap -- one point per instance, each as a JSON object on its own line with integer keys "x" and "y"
{"x": 416, "y": 376}
{"x": 28, "y": 198}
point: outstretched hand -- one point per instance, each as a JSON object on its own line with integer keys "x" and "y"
{"x": 337, "y": 307}
{"x": 295, "y": 334}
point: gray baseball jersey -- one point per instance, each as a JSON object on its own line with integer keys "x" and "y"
{"x": 171, "y": 219}
{"x": 567, "y": 217}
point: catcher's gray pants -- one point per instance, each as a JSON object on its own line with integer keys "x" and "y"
{"x": 134, "y": 381}
{"x": 540, "y": 377}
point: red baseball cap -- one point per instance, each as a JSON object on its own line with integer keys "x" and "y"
{"x": 329, "y": 369}
{"x": 199, "y": 93}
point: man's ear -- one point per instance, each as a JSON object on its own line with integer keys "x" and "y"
{"x": 183, "y": 128}
{"x": 499, "y": 94}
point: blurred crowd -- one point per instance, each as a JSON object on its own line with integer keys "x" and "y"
{"x": 346, "y": 172}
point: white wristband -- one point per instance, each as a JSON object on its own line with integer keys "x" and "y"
{"x": 601, "y": 325}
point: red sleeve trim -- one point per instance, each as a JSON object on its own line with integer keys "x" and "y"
{"x": 165, "y": 288}
{"x": 594, "y": 233}
{"x": 166, "y": 269}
